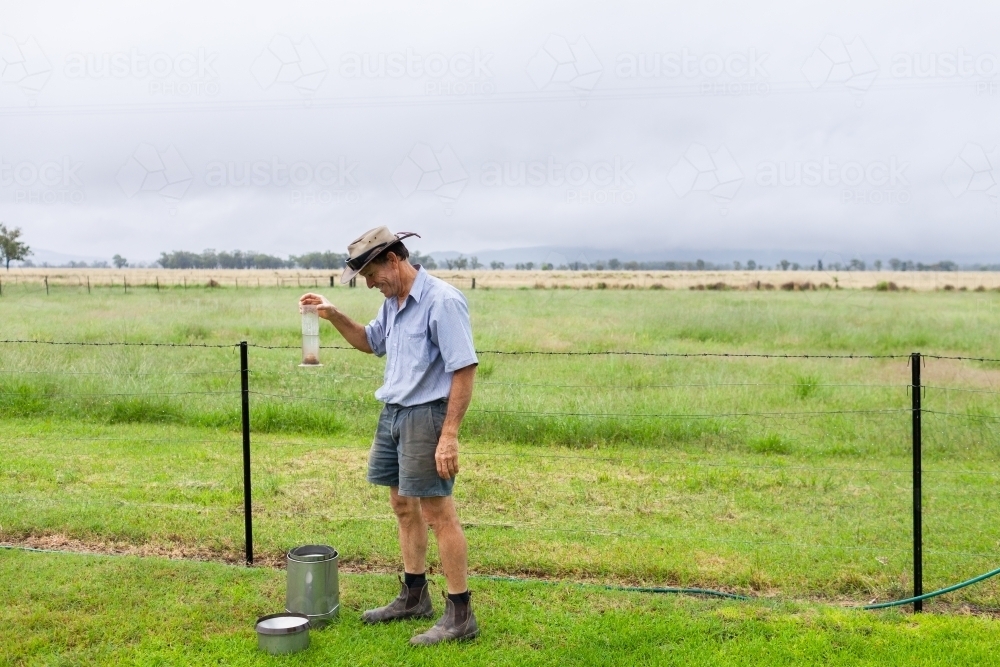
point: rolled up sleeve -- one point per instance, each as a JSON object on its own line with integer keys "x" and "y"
{"x": 375, "y": 333}
{"x": 451, "y": 331}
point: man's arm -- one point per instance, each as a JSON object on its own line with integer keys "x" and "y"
{"x": 352, "y": 332}
{"x": 446, "y": 455}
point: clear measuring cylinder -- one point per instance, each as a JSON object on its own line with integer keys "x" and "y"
{"x": 310, "y": 336}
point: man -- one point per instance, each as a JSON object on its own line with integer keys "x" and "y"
{"x": 423, "y": 328}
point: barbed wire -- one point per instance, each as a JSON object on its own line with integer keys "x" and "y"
{"x": 691, "y": 415}
{"x": 734, "y": 355}
{"x": 118, "y": 374}
{"x": 753, "y": 355}
{"x": 960, "y": 358}
{"x": 61, "y": 438}
{"x": 115, "y": 344}
{"x": 761, "y": 355}
{"x": 134, "y": 394}
{"x": 261, "y": 346}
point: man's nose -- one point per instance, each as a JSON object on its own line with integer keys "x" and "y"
{"x": 368, "y": 281}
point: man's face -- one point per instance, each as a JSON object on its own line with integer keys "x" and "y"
{"x": 384, "y": 276}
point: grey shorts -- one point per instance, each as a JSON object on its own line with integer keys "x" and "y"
{"x": 402, "y": 452}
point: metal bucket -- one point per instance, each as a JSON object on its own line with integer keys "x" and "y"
{"x": 279, "y": 634}
{"x": 312, "y": 587}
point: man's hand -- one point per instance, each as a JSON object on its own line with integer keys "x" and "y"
{"x": 324, "y": 308}
{"x": 446, "y": 456}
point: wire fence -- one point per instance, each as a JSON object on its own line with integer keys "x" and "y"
{"x": 892, "y": 411}
{"x": 83, "y": 282}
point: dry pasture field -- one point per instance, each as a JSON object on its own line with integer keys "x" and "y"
{"x": 510, "y": 279}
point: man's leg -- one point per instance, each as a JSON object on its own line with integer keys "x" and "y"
{"x": 440, "y": 514}
{"x": 414, "y": 599}
{"x": 418, "y": 477}
{"x": 412, "y": 531}
{"x": 458, "y": 622}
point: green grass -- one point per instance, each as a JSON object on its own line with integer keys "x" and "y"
{"x": 90, "y": 610}
{"x": 565, "y": 474}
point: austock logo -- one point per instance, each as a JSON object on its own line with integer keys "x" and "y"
{"x": 974, "y": 170}
{"x": 23, "y": 64}
{"x": 435, "y": 172}
{"x": 872, "y": 182}
{"x": 454, "y": 74}
{"x": 183, "y": 74}
{"x": 560, "y": 62}
{"x": 836, "y": 62}
{"x": 944, "y": 65}
{"x": 601, "y": 182}
{"x": 325, "y": 182}
{"x": 284, "y": 61}
{"x": 734, "y": 73}
{"x": 702, "y": 170}
{"x": 150, "y": 170}
{"x": 49, "y": 182}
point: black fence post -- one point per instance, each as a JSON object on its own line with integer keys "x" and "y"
{"x": 473, "y": 283}
{"x": 918, "y": 536}
{"x": 46, "y": 285}
{"x": 245, "y": 391}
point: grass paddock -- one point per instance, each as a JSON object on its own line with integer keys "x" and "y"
{"x": 787, "y": 479}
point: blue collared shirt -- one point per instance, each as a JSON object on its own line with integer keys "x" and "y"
{"x": 426, "y": 341}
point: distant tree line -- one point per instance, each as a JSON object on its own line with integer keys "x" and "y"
{"x": 11, "y": 249}
{"x": 239, "y": 259}
{"x": 618, "y": 265}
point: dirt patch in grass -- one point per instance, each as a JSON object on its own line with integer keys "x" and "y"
{"x": 173, "y": 551}
{"x": 64, "y": 543}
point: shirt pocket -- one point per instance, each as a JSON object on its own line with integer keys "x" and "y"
{"x": 417, "y": 349}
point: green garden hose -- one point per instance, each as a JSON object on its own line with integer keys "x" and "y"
{"x": 733, "y": 596}
{"x": 628, "y": 589}
{"x": 934, "y": 594}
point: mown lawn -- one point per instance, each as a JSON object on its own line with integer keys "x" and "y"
{"x": 92, "y": 610}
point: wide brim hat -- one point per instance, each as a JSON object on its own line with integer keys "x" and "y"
{"x": 367, "y": 247}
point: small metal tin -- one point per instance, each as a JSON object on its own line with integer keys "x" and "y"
{"x": 280, "y": 634}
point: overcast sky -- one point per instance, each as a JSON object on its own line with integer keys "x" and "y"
{"x": 856, "y": 128}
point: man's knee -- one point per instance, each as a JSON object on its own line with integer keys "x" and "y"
{"x": 439, "y": 512}
{"x": 404, "y": 506}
